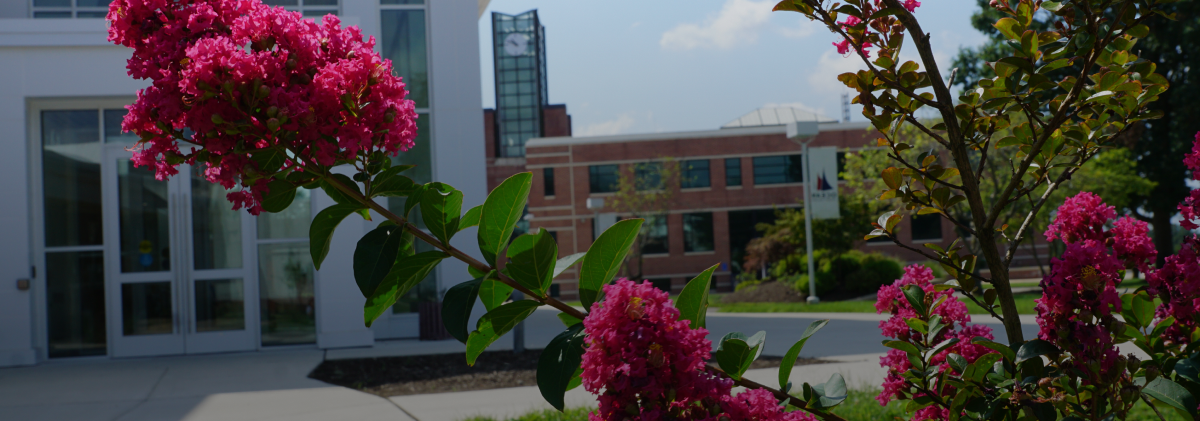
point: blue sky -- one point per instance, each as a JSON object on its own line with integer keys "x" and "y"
{"x": 638, "y": 66}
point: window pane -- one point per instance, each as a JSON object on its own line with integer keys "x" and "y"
{"x": 733, "y": 171}
{"x": 309, "y": 13}
{"x": 663, "y": 284}
{"x": 404, "y": 43}
{"x": 216, "y": 227}
{"x": 402, "y": 2}
{"x": 548, "y": 181}
{"x": 648, "y": 176}
{"x": 285, "y": 281}
{"x": 112, "y": 127}
{"x": 293, "y": 222}
{"x": 220, "y": 305}
{"x": 926, "y": 227}
{"x": 71, "y": 174}
{"x": 602, "y": 178}
{"x": 656, "y": 235}
{"x": 320, "y": 2}
{"x": 91, "y": 15}
{"x": 778, "y": 169}
{"x": 420, "y": 155}
{"x": 696, "y": 174}
{"x": 146, "y": 309}
{"x": 281, "y": 2}
{"x": 51, "y": 15}
{"x": 75, "y": 304}
{"x": 145, "y": 219}
{"x": 697, "y": 232}
{"x": 51, "y": 3}
{"x": 93, "y": 3}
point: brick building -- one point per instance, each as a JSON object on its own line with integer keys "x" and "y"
{"x": 736, "y": 177}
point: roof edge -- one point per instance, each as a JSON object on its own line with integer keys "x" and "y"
{"x": 648, "y": 137}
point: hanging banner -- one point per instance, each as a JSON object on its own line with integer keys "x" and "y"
{"x": 823, "y": 176}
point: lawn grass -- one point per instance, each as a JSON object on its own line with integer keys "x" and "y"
{"x": 860, "y": 405}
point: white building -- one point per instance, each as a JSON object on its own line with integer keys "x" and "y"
{"x": 100, "y": 259}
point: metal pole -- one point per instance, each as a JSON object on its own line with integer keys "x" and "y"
{"x": 519, "y": 330}
{"x": 808, "y": 234}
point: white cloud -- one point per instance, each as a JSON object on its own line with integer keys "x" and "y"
{"x": 738, "y": 22}
{"x": 803, "y": 30}
{"x": 615, "y": 126}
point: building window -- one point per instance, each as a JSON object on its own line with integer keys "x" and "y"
{"x": 548, "y": 181}
{"x": 778, "y": 169}
{"x": 308, "y": 8}
{"x": 663, "y": 284}
{"x": 285, "y": 274}
{"x": 926, "y": 227}
{"x": 697, "y": 232}
{"x": 733, "y": 172}
{"x": 648, "y": 176}
{"x": 655, "y": 232}
{"x": 519, "y": 53}
{"x": 66, "y": 9}
{"x": 555, "y": 290}
{"x": 602, "y": 178}
{"x": 696, "y": 174}
{"x": 403, "y": 41}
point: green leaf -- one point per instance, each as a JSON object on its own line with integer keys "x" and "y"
{"x": 495, "y": 324}
{"x": 337, "y": 195}
{"x": 501, "y": 211}
{"x": 279, "y": 196}
{"x": 405, "y": 274}
{"x": 1171, "y": 393}
{"x": 916, "y": 298}
{"x": 789, "y": 359}
{"x": 736, "y": 352}
{"x": 568, "y": 320}
{"x": 693, "y": 300}
{"x": 893, "y": 177}
{"x": 558, "y": 363}
{"x": 375, "y": 255}
{"x": 456, "y": 308}
{"x": 1010, "y": 28}
{"x": 604, "y": 259}
{"x": 395, "y": 186}
{"x": 531, "y": 260}
{"x": 1033, "y": 349}
{"x": 441, "y": 208}
{"x": 831, "y": 393}
{"x": 1004, "y": 350}
{"x": 494, "y": 293}
{"x": 471, "y": 218}
{"x": 903, "y": 346}
{"x": 413, "y": 200}
{"x": 320, "y": 233}
{"x": 566, "y": 262}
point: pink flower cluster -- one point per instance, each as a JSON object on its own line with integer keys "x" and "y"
{"x": 891, "y": 300}
{"x": 248, "y": 79}
{"x": 869, "y": 8}
{"x": 646, "y": 364}
{"x": 1190, "y": 208}
{"x": 1177, "y": 283}
{"x": 1079, "y": 296}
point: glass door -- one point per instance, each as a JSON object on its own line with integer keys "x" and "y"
{"x": 177, "y": 268}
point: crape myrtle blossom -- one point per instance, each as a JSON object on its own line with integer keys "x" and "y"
{"x": 954, "y": 315}
{"x": 644, "y": 363}
{"x": 851, "y": 26}
{"x": 265, "y": 91}
{"x": 1190, "y": 208}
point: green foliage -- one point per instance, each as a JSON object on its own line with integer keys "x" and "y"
{"x": 693, "y": 300}
{"x": 496, "y": 323}
{"x": 532, "y": 258}
{"x": 559, "y": 364}
{"x": 789, "y": 358}
{"x": 736, "y": 352}
{"x": 784, "y": 241}
{"x": 403, "y": 276}
{"x": 500, "y": 213}
{"x": 604, "y": 259}
{"x": 646, "y": 190}
{"x": 320, "y": 233}
{"x": 441, "y": 206}
{"x": 376, "y": 253}
{"x": 853, "y": 272}
{"x": 280, "y": 195}
{"x": 457, "y": 305}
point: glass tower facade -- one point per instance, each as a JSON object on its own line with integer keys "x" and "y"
{"x": 519, "y": 49}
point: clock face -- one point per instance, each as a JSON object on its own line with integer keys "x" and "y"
{"x": 516, "y": 44}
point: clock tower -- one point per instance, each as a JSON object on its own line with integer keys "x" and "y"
{"x": 519, "y": 51}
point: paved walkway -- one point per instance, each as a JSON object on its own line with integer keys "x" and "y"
{"x": 273, "y": 385}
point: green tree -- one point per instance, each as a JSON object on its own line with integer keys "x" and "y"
{"x": 646, "y": 190}
{"x": 1154, "y": 146}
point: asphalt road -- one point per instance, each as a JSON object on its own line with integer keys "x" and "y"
{"x": 846, "y": 334}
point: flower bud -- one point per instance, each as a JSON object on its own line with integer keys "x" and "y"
{"x": 1044, "y": 383}
{"x": 390, "y": 116}
{"x": 263, "y": 91}
{"x": 272, "y": 111}
{"x": 1129, "y": 393}
{"x": 1151, "y": 373}
{"x": 290, "y": 64}
{"x": 273, "y": 124}
{"x": 631, "y": 409}
{"x": 216, "y": 119}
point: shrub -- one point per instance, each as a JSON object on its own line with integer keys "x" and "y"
{"x": 852, "y": 272}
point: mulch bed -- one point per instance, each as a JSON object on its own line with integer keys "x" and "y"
{"x": 414, "y": 375}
